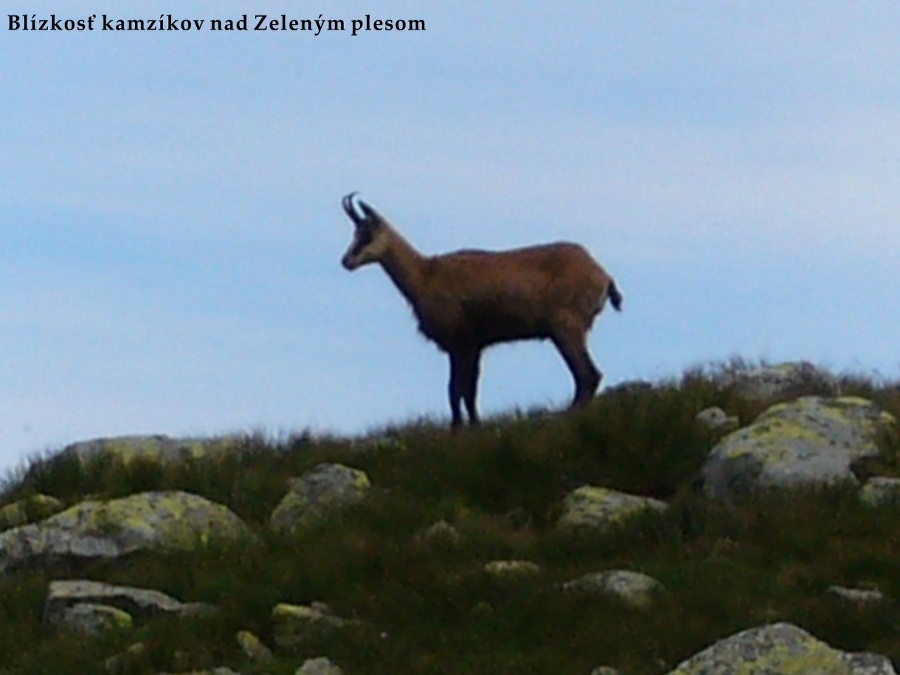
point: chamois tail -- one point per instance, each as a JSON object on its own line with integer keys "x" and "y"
{"x": 615, "y": 297}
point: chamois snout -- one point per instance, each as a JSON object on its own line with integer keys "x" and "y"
{"x": 349, "y": 262}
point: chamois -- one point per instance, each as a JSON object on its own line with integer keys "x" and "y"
{"x": 467, "y": 300}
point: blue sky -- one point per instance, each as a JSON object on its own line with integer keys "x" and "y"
{"x": 170, "y": 222}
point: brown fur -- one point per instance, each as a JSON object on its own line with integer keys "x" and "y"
{"x": 468, "y": 300}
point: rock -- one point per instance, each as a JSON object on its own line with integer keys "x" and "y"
{"x": 601, "y": 509}
{"x": 857, "y": 598}
{"x": 779, "y": 648}
{"x": 632, "y": 589}
{"x": 321, "y": 490}
{"x": 482, "y": 611}
{"x": 441, "y": 533}
{"x": 512, "y": 569}
{"x": 319, "y": 666}
{"x": 29, "y": 510}
{"x": 880, "y": 490}
{"x": 136, "y": 602}
{"x": 92, "y": 619}
{"x": 253, "y": 647}
{"x": 811, "y": 441}
{"x": 717, "y": 419}
{"x": 214, "y": 671}
{"x": 630, "y": 388}
{"x": 783, "y": 380}
{"x": 294, "y": 624}
{"x": 167, "y": 521}
{"x": 157, "y": 448}
{"x": 132, "y": 660}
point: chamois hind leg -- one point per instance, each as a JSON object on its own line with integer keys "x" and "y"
{"x": 571, "y": 341}
{"x": 470, "y": 386}
{"x": 463, "y": 386}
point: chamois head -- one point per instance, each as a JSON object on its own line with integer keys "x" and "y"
{"x": 369, "y": 238}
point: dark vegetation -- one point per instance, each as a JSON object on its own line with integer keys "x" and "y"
{"x": 426, "y": 608}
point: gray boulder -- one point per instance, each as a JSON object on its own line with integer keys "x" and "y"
{"x": 512, "y": 570}
{"x": 168, "y": 521}
{"x": 790, "y": 379}
{"x": 601, "y": 509}
{"x": 440, "y": 534}
{"x": 716, "y": 419}
{"x": 254, "y": 648}
{"x": 318, "y": 492}
{"x": 319, "y": 666}
{"x": 139, "y": 603}
{"x": 92, "y": 619}
{"x": 778, "y": 649}
{"x": 811, "y": 441}
{"x": 635, "y": 590}
{"x": 213, "y": 671}
{"x": 295, "y": 624}
{"x": 133, "y": 660}
{"x": 857, "y": 598}
{"x": 880, "y": 490}
{"x": 156, "y": 447}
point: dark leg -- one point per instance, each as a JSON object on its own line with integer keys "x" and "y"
{"x": 463, "y": 386}
{"x": 470, "y": 386}
{"x": 454, "y": 390}
{"x": 572, "y": 345}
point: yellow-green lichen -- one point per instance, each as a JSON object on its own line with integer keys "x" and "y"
{"x": 779, "y": 648}
{"x": 28, "y": 510}
{"x": 167, "y": 520}
{"x": 600, "y": 507}
{"x": 284, "y": 611}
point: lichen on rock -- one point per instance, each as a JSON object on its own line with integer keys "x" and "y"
{"x": 601, "y": 509}
{"x": 28, "y": 510}
{"x": 321, "y": 665}
{"x": 94, "y": 619}
{"x": 153, "y": 447}
{"x": 167, "y": 521}
{"x": 318, "y": 492}
{"x": 632, "y": 589}
{"x": 767, "y": 382}
{"x": 140, "y": 603}
{"x": 779, "y": 648}
{"x": 295, "y": 624}
{"x": 880, "y": 491}
{"x": 811, "y": 441}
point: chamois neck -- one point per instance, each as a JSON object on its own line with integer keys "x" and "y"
{"x": 404, "y": 265}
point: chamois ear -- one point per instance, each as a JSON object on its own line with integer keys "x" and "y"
{"x": 371, "y": 214}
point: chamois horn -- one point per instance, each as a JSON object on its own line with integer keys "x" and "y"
{"x": 347, "y": 202}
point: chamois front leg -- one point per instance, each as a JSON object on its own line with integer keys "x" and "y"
{"x": 463, "y": 386}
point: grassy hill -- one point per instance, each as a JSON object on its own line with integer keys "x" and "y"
{"x": 429, "y": 607}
